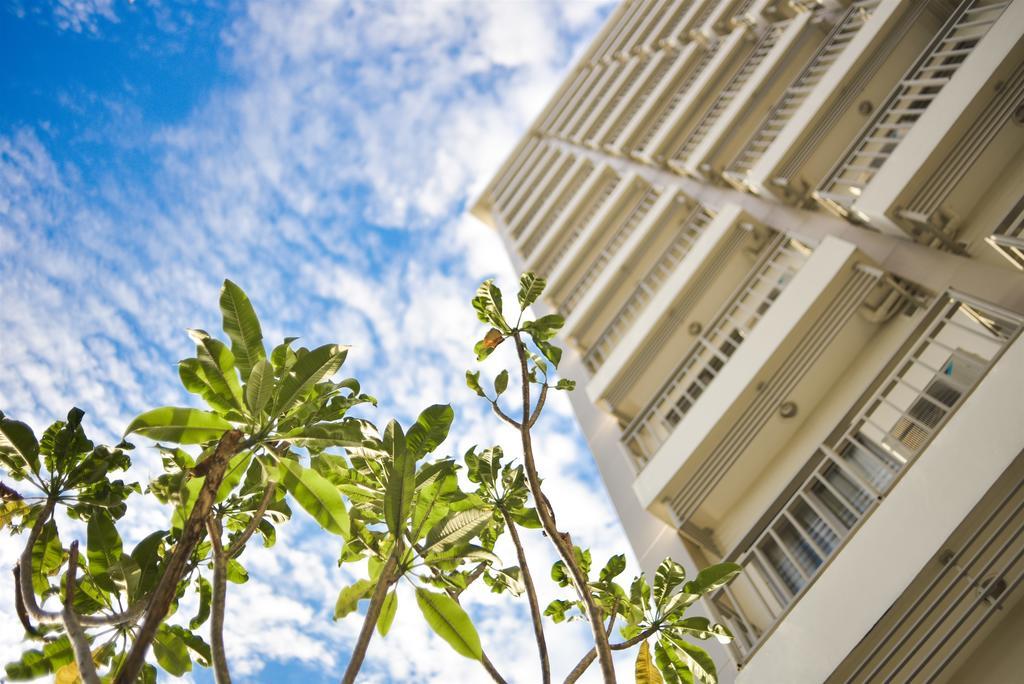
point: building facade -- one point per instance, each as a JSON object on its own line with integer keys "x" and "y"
{"x": 787, "y": 238}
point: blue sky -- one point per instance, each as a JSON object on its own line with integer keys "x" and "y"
{"x": 321, "y": 154}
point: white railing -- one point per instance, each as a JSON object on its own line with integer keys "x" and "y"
{"x": 621, "y": 91}
{"x": 539, "y": 192}
{"x": 595, "y": 204}
{"x": 689, "y": 230}
{"x": 714, "y": 347}
{"x": 978, "y": 577}
{"x": 1008, "y": 238}
{"x": 629, "y": 224}
{"x": 856, "y": 15}
{"x": 908, "y": 102}
{"x": 851, "y": 473}
{"x": 638, "y": 101}
{"x": 670, "y": 106}
{"x": 762, "y": 47}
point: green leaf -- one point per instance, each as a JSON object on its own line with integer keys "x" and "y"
{"x": 501, "y": 382}
{"x": 695, "y": 658}
{"x": 233, "y": 475}
{"x": 550, "y": 352}
{"x": 702, "y": 628}
{"x": 218, "y": 366}
{"x": 488, "y": 307}
{"x": 47, "y": 557}
{"x": 316, "y": 495}
{"x": 310, "y": 369}
{"x": 193, "y": 378}
{"x": 401, "y": 486}
{"x": 259, "y": 388}
{"x": 640, "y": 593}
{"x": 613, "y": 568}
{"x": 545, "y": 327}
{"x": 242, "y": 327}
{"x": 178, "y": 425}
{"x": 146, "y": 555}
{"x": 105, "y": 549}
{"x": 712, "y": 578}
{"x": 668, "y": 663}
{"x": 347, "y": 433}
{"x": 430, "y": 429}
{"x": 530, "y": 288}
{"x": 18, "y": 442}
{"x": 349, "y": 597}
{"x": 646, "y": 672}
{"x": 457, "y": 528}
{"x": 473, "y": 383}
{"x": 470, "y": 552}
{"x": 35, "y": 663}
{"x": 667, "y": 577}
{"x": 236, "y": 573}
{"x": 527, "y": 517}
{"x": 205, "y": 596}
{"x": 565, "y": 384}
{"x": 387, "y": 613}
{"x": 171, "y": 652}
{"x": 450, "y": 622}
{"x": 560, "y": 574}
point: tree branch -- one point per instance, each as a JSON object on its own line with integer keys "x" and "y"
{"x": 531, "y": 595}
{"x": 504, "y": 416}
{"x": 586, "y": 660}
{"x": 257, "y": 518}
{"x": 540, "y": 404}
{"x": 191, "y": 533}
{"x": 388, "y": 576}
{"x": 562, "y": 541}
{"x": 221, "y": 673}
{"x": 80, "y": 643}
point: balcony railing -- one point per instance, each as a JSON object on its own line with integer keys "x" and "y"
{"x": 761, "y": 49}
{"x": 925, "y": 215}
{"x": 980, "y": 572}
{"x": 908, "y": 102}
{"x": 669, "y": 107}
{"x": 563, "y": 245}
{"x": 1008, "y": 238}
{"x": 714, "y": 347}
{"x": 850, "y": 474}
{"x": 632, "y": 220}
{"x": 856, "y": 15}
{"x": 623, "y": 119}
{"x": 539, "y": 192}
{"x": 621, "y": 90}
{"x": 562, "y": 199}
{"x": 690, "y": 229}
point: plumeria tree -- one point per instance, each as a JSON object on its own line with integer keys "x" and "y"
{"x": 280, "y": 431}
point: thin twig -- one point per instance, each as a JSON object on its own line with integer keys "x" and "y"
{"x": 540, "y": 404}
{"x": 562, "y": 541}
{"x": 504, "y": 416}
{"x": 587, "y": 659}
{"x": 257, "y": 518}
{"x": 221, "y": 673}
{"x": 191, "y": 533}
{"x": 79, "y": 641}
{"x": 531, "y": 595}
{"x": 388, "y": 576}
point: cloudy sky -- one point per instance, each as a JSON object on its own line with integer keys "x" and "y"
{"x": 321, "y": 154}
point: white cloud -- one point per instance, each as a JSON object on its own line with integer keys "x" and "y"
{"x": 344, "y": 116}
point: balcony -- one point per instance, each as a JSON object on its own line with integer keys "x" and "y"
{"x": 800, "y": 141}
{"x": 787, "y": 104}
{"x": 730, "y": 327}
{"x": 672, "y": 126}
{"x": 525, "y": 158}
{"x": 978, "y": 43}
{"x": 596, "y": 319}
{"x": 783, "y": 50}
{"x": 960, "y": 617}
{"x": 1008, "y": 237}
{"x": 852, "y": 473}
{"x": 585, "y": 183}
{"x": 654, "y": 109}
{"x": 702, "y": 277}
{"x": 618, "y": 93}
{"x": 573, "y": 278}
{"x": 654, "y": 71}
{"x": 527, "y": 196}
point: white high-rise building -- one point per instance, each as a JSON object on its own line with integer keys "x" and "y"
{"x": 787, "y": 237}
